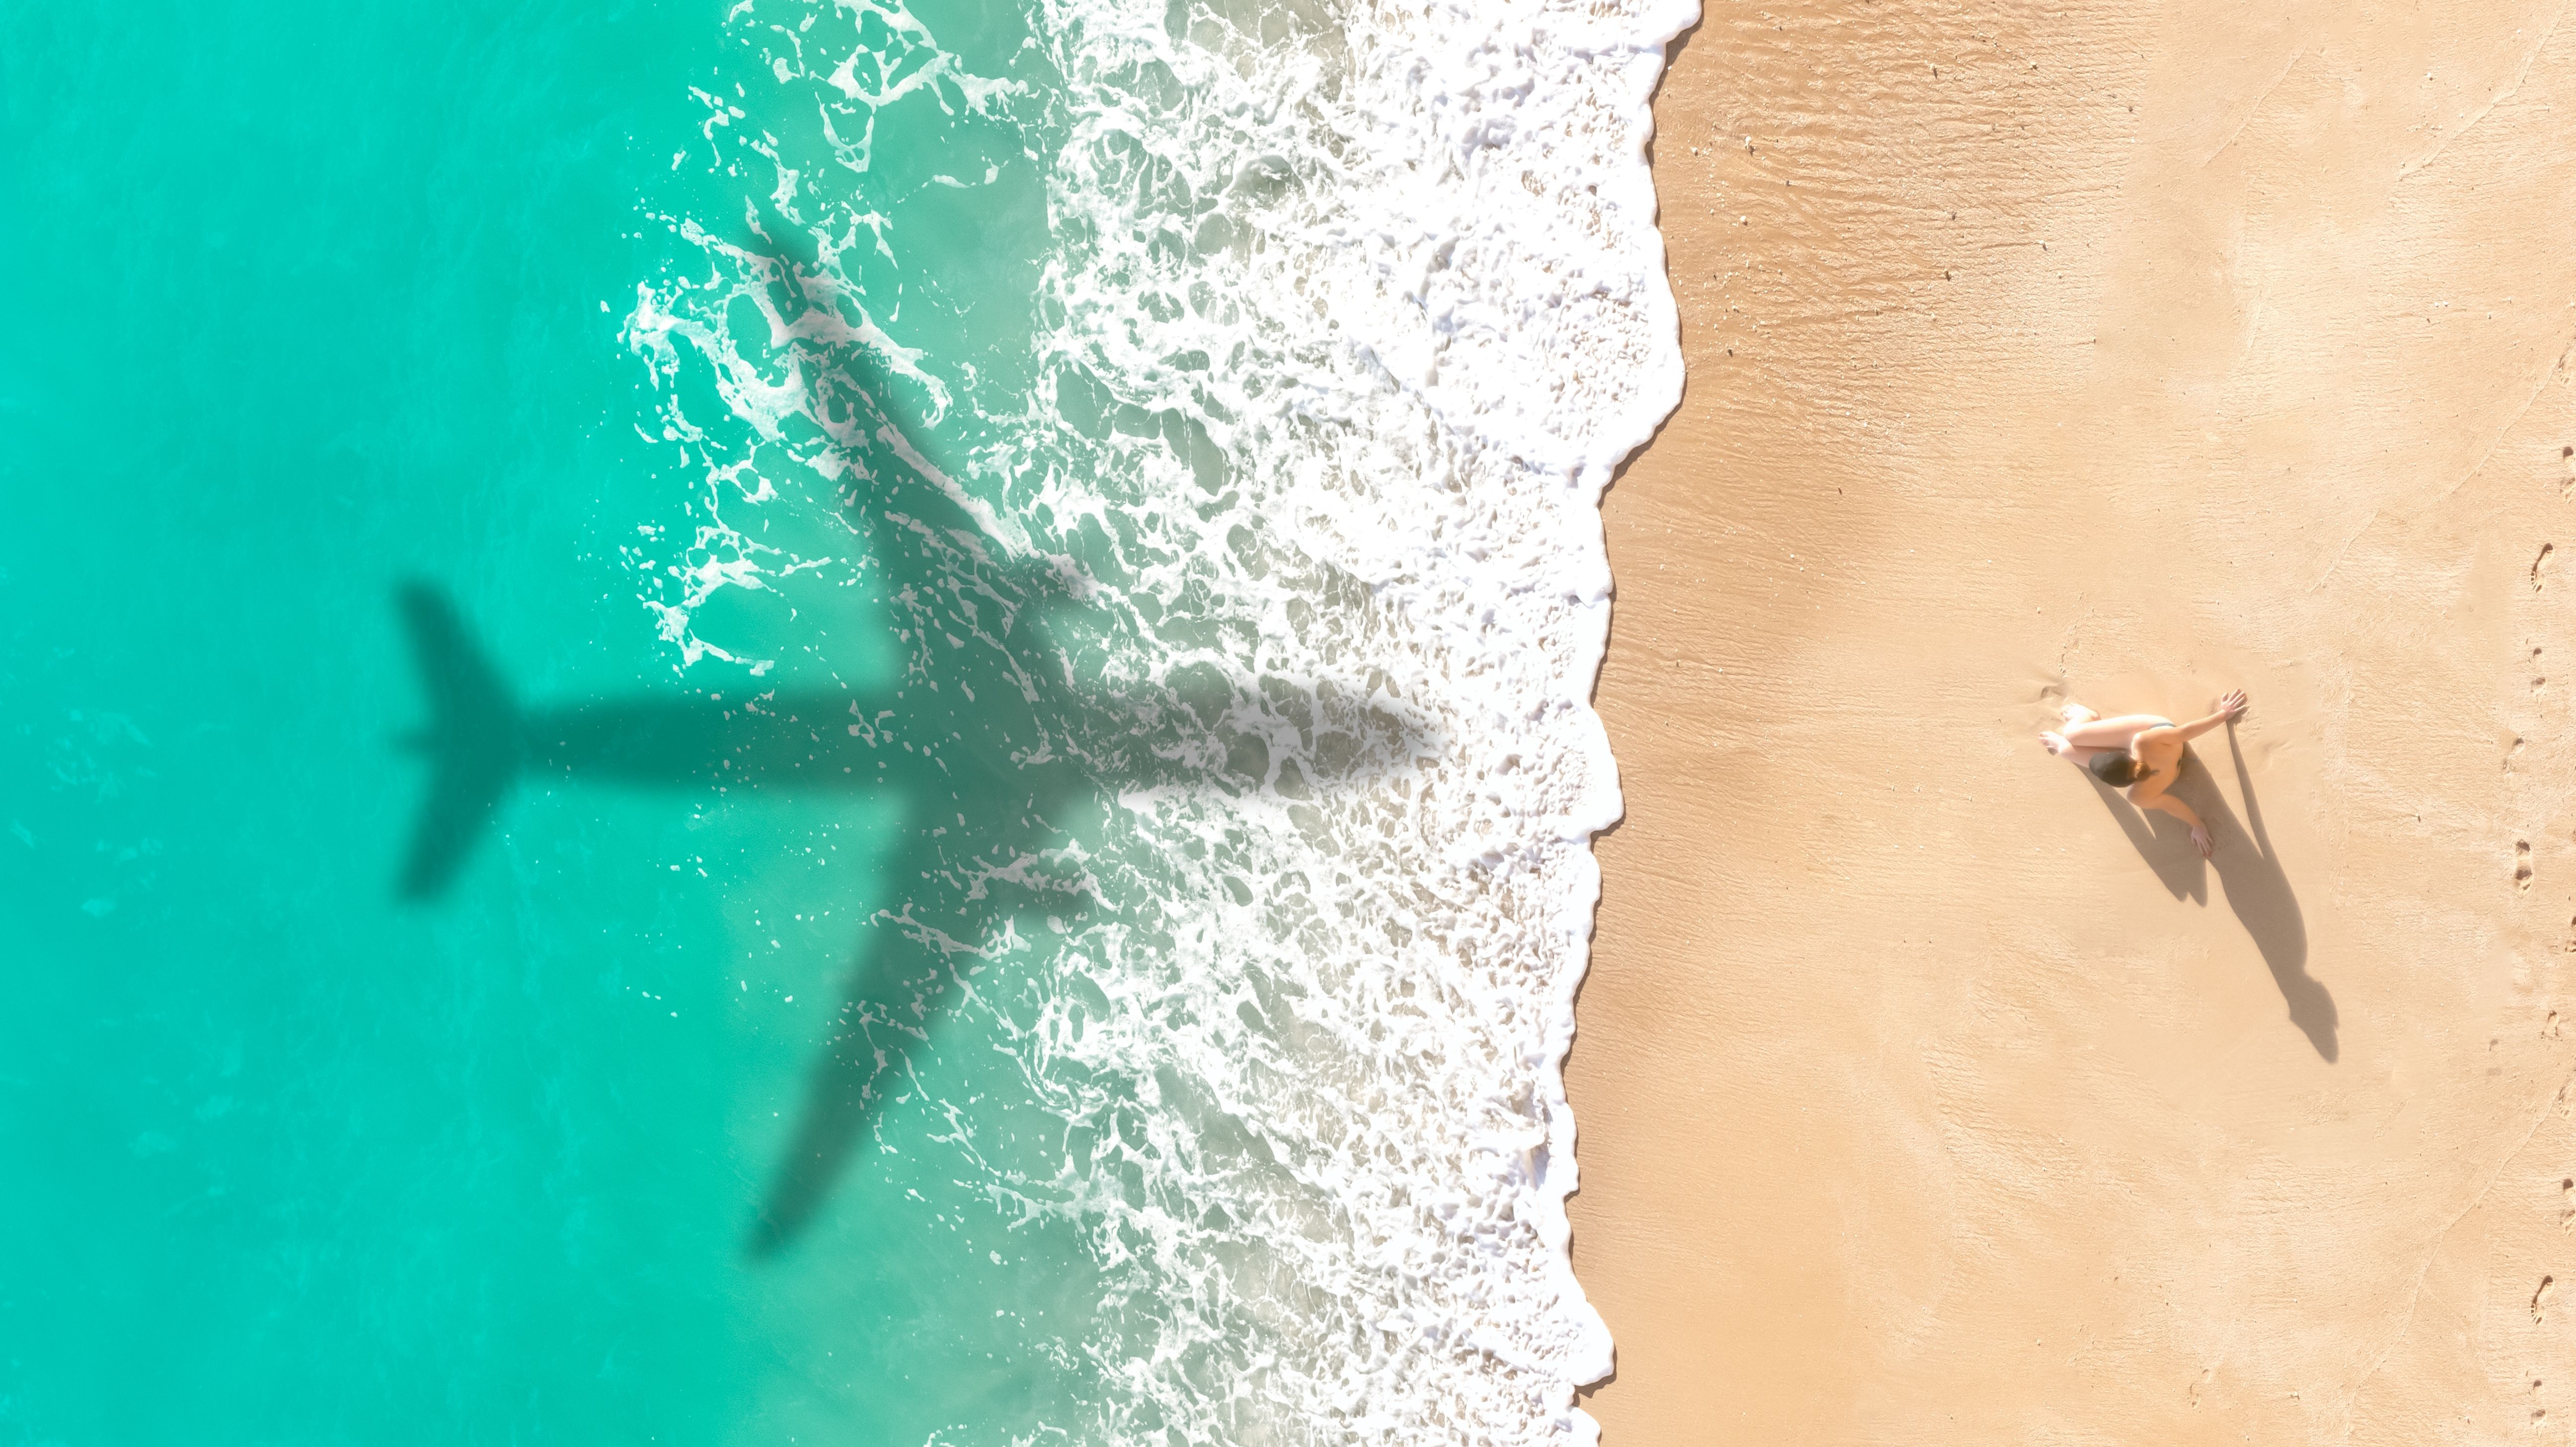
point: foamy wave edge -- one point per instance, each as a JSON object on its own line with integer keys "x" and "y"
{"x": 1436, "y": 241}
{"x": 1622, "y": 433}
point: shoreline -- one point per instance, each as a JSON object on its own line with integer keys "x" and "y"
{"x": 1922, "y": 1090}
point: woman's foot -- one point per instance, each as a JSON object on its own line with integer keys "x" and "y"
{"x": 2075, "y": 715}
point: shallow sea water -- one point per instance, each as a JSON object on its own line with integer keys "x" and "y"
{"x": 805, "y": 722}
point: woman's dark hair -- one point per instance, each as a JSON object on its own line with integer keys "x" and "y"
{"x": 2115, "y": 768}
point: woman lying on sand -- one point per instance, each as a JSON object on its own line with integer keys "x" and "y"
{"x": 2141, "y": 753}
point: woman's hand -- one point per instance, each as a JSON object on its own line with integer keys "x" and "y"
{"x": 2232, "y": 708}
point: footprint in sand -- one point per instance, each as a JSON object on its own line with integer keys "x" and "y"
{"x": 2522, "y": 864}
{"x": 2540, "y": 1297}
{"x": 2539, "y": 680}
{"x": 2537, "y": 563}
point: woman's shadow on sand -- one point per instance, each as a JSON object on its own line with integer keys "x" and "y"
{"x": 2257, "y": 889}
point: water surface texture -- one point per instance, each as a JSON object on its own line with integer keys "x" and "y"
{"x": 806, "y": 722}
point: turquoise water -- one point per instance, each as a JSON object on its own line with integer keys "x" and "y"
{"x": 314, "y": 300}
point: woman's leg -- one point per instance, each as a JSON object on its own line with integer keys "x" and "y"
{"x": 2113, "y": 733}
{"x": 2088, "y": 733}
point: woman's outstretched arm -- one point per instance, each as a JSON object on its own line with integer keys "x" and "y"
{"x": 2229, "y": 708}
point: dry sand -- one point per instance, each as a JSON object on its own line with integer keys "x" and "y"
{"x": 1927, "y": 1094}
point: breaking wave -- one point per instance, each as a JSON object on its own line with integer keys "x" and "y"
{"x": 1283, "y": 349}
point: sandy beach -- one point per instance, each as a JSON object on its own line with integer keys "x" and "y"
{"x": 2122, "y": 354}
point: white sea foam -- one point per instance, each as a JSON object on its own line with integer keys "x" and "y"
{"x": 1351, "y": 313}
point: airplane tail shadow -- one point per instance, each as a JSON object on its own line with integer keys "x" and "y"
{"x": 472, "y": 741}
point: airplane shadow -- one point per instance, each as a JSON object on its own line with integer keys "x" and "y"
{"x": 991, "y": 747}
{"x": 2257, "y": 888}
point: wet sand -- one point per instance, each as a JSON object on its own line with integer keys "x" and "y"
{"x": 1927, "y": 1092}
